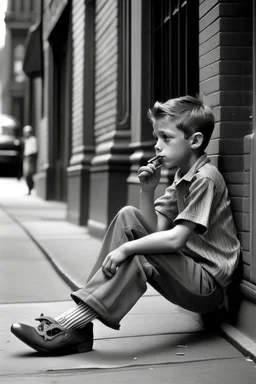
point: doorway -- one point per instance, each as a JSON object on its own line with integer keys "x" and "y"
{"x": 61, "y": 131}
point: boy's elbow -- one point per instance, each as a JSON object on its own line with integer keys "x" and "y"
{"x": 177, "y": 243}
{"x": 179, "y": 235}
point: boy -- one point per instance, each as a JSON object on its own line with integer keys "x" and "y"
{"x": 184, "y": 244}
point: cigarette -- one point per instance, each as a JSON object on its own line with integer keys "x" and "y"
{"x": 155, "y": 161}
{"x": 154, "y": 158}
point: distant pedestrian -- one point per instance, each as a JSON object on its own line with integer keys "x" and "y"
{"x": 184, "y": 244}
{"x": 29, "y": 157}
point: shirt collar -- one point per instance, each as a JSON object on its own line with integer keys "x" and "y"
{"x": 202, "y": 160}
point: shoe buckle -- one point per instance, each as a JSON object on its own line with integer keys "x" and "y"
{"x": 45, "y": 332}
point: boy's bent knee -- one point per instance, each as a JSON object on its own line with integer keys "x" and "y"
{"x": 128, "y": 209}
{"x": 130, "y": 215}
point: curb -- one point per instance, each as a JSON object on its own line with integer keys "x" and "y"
{"x": 57, "y": 266}
{"x": 241, "y": 342}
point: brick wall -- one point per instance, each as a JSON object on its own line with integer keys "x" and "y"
{"x": 246, "y": 210}
{"x": 226, "y": 84}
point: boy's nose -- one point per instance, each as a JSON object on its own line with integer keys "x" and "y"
{"x": 157, "y": 147}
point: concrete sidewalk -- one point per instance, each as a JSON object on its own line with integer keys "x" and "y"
{"x": 167, "y": 343}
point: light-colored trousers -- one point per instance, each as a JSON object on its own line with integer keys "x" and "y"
{"x": 175, "y": 276}
{"x": 29, "y": 169}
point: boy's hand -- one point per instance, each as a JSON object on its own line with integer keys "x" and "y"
{"x": 149, "y": 177}
{"x": 113, "y": 260}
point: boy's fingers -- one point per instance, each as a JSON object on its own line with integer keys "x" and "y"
{"x": 105, "y": 261}
{"x": 104, "y": 266}
{"x": 108, "y": 268}
{"x": 112, "y": 268}
{"x": 147, "y": 169}
{"x": 152, "y": 166}
{"x": 143, "y": 174}
{"x": 107, "y": 273}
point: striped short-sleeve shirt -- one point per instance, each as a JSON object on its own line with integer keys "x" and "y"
{"x": 201, "y": 196}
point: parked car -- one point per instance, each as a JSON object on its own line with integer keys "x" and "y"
{"x": 11, "y": 145}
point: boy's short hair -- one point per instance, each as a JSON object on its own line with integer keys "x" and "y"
{"x": 189, "y": 114}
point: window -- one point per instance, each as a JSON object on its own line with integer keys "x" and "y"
{"x": 18, "y": 63}
{"x": 175, "y": 44}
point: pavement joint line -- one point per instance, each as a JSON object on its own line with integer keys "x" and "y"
{"x": 145, "y": 365}
{"x": 246, "y": 346}
{"x": 69, "y": 280}
{"x": 111, "y": 369}
{"x": 152, "y": 334}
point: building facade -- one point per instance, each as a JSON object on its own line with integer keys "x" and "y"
{"x": 105, "y": 63}
{"x": 20, "y": 15}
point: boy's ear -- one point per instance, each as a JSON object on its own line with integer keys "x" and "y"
{"x": 197, "y": 140}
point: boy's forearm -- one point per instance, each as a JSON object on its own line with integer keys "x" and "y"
{"x": 155, "y": 243}
{"x": 147, "y": 207}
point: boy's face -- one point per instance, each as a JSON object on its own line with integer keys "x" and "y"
{"x": 172, "y": 145}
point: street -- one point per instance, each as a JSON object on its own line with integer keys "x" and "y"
{"x": 158, "y": 342}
